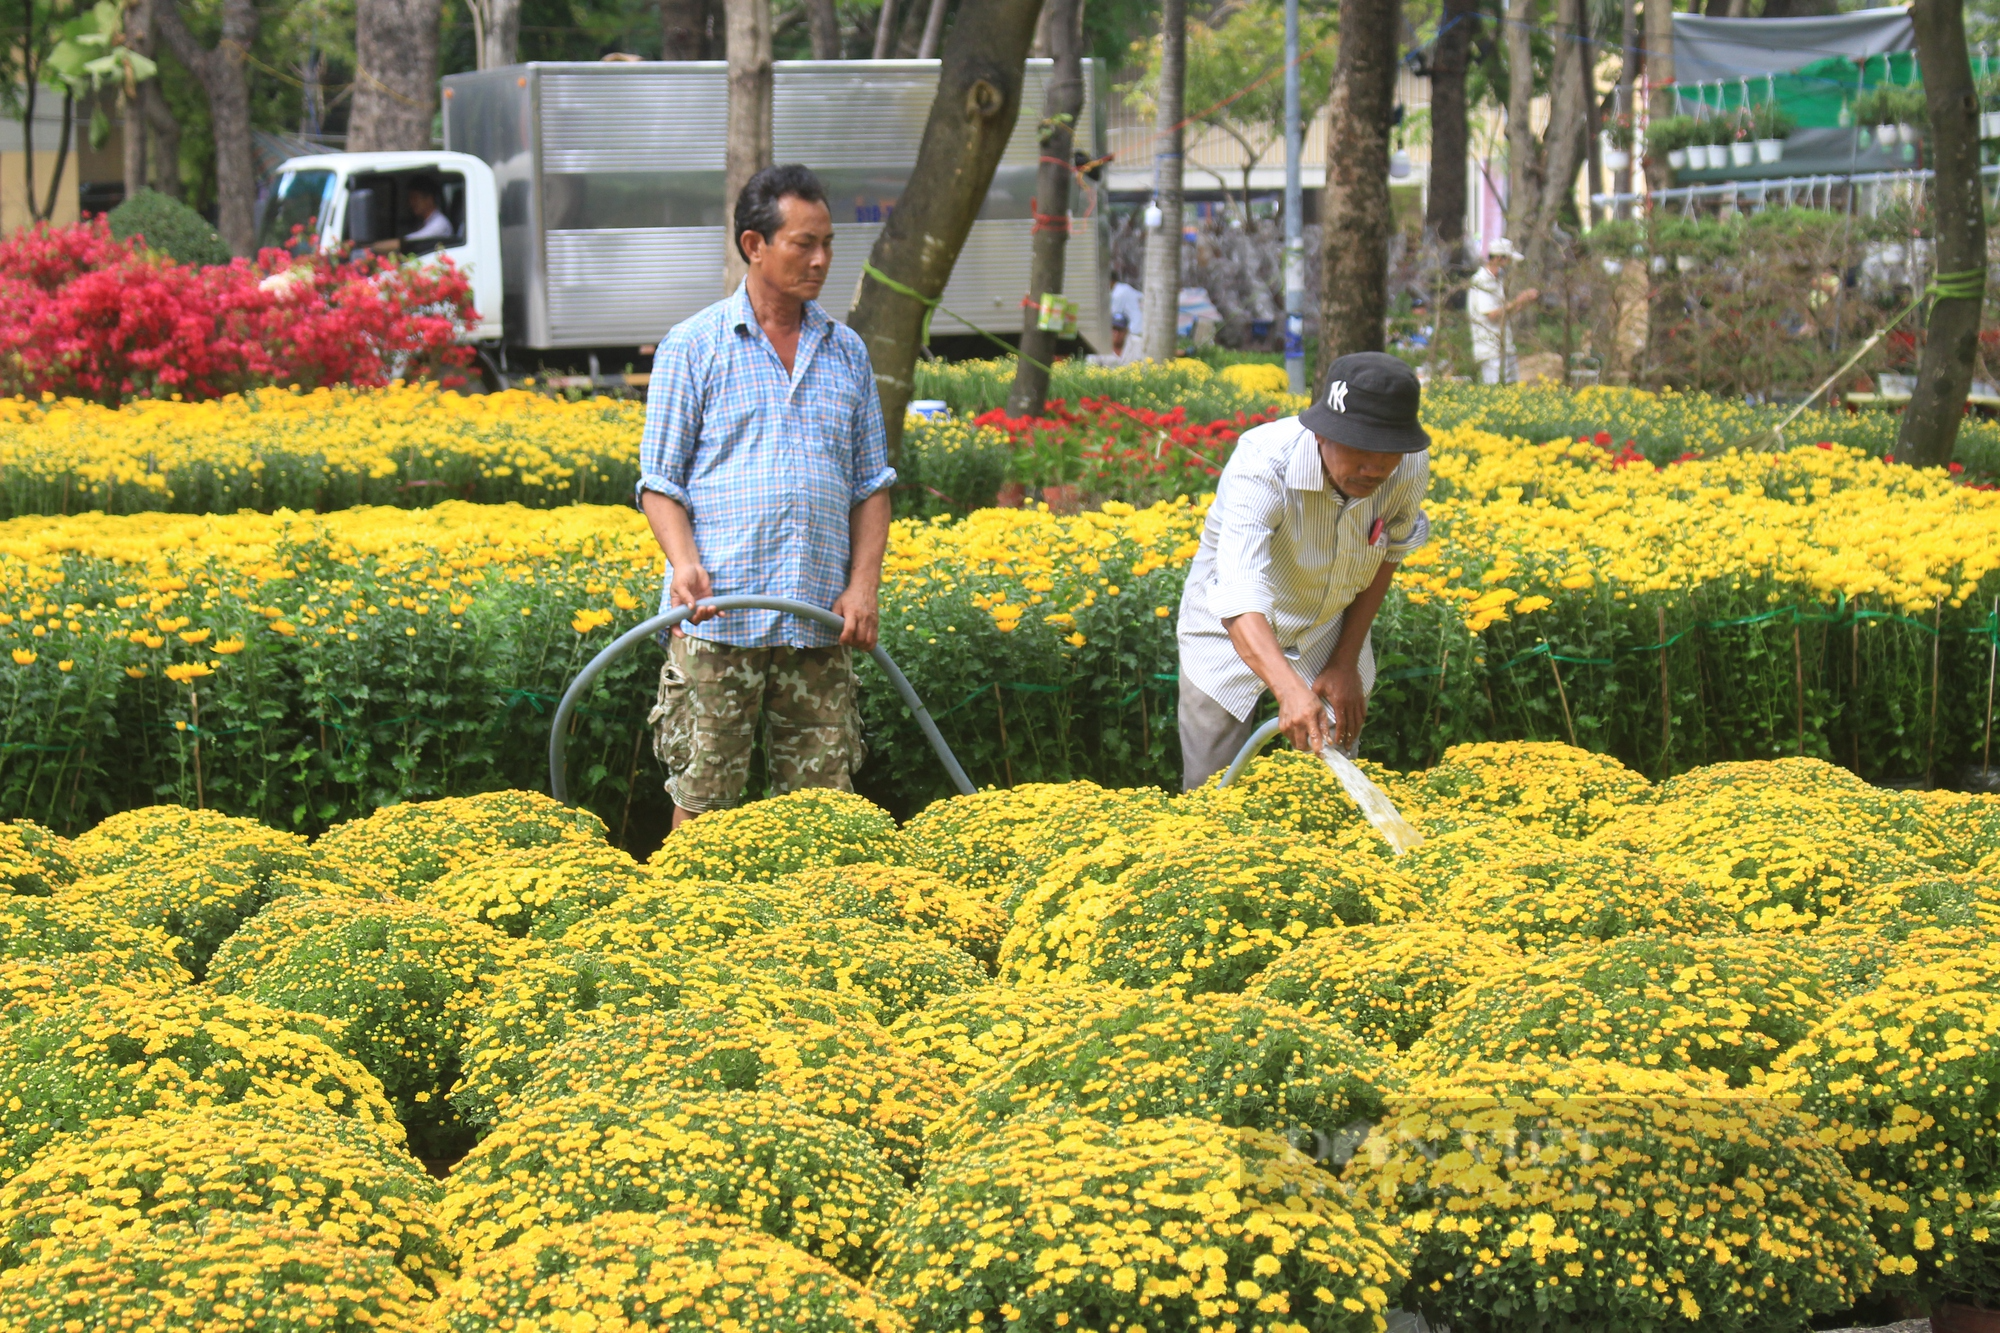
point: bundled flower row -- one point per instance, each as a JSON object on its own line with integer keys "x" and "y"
{"x": 405, "y": 445}
{"x": 301, "y": 668}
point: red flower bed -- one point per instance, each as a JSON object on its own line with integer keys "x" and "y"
{"x": 83, "y": 315}
{"x": 1107, "y": 448}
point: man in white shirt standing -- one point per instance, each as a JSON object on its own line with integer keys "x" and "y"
{"x": 1311, "y": 516}
{"x": 1491, "y": 314}
{"x": 1130, "y": 302}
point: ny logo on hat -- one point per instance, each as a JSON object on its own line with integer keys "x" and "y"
{"x": 1336, "y": 395}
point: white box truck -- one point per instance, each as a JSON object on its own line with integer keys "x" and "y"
{"x": 586, "y": 199}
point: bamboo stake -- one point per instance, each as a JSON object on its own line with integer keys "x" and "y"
{"x": 1937, "y": 651}
{"x": 1799, "y": 685}
{"x": 1562, "y": 697}
{"x": 631, "y": 783}
{"x": 1992, "y": 661}
{"x": 1006, "y": 759}
{"x": 1854, "y": 684}
{"x": 194, "y": 708}
{"x": 1666, "y": 706}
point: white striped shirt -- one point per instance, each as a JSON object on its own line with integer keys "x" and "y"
{"x": 1281, "y": 540}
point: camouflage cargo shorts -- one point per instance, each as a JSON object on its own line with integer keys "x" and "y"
{"x": 713, "y": 696}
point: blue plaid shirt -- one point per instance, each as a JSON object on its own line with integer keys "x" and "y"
{"x": 767, "y": 465}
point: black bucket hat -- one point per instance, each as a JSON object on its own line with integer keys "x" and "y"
{"x": 1368, "y": 400}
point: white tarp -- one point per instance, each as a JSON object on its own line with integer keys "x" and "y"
{"x": 1707, "y": 50}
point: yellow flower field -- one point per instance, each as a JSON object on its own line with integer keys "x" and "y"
{"x": 1268, "y": 1076}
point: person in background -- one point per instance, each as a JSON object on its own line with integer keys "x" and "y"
{"x": 1491, "y": 313}
{"x": 764, "y": 470}
{"x": 432, "y": 224}
{"x": 1125, "y": 348}
{"x": 1312, "y": 515}
{"x": 1130, "y": 302}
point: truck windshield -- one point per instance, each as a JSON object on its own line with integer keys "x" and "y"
{"x": 298, "y": 206}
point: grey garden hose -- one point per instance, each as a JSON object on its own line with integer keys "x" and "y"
{"x": 578, "y": 687}
{"x": 1249, "y": 751}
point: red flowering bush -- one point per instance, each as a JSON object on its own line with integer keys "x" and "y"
{"x": 1105, "y": 447}
{"x": 84, "y": 315}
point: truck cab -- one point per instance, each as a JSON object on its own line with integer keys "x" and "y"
{"x": 325, "y": 201}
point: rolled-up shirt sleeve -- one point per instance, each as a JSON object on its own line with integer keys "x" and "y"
{"x": 673, "y": 423}
{"x": 1406, "y": 525}
{"x": 871, "y": 440}
{"x": 1253, "y": 504}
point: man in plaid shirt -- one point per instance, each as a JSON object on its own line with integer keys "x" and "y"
{"x": 764, "y": 469}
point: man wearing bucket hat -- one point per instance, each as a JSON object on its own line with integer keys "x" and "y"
{"x": 1311, "y": 517}
{"x": 1491, "y": 314}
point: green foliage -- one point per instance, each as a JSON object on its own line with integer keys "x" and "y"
{"x": 126, "y": 1053}
{"x": 750, "y": 1158}
{"x": 169, "y": 226}
{"x": 972, "y": 387}
{"x": 899, "y": 970}
{"x": 402, "y": 981}
{"x": 767, "y": 840}
{"x": 949, "y": 467}
{"x": 1243, "y": 1062}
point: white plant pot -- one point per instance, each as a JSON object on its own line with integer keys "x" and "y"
{"x": 1685, "y": 263}
{"x": 1989, "y": 124}
{"x": 1617, "y": 159}
{"x": 1908, "y": 133}
{"x": 1770, "y": 150}
{"x": 1742, "y": 154}
{"x": 1888, "y": 135}
{"x": 1677, "y": 158}
{"x": 1718, "y": 156}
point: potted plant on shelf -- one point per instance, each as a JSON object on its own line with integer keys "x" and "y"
{"x": 1987, "y": 85}
{"x": 1773, "y": 125}
{"x": 1870, "y": 113}
{"x": 1618, "y": 143}
{"x": 1715, "y": 141}
{"x": 1907, "y": 108}
{"x": 1669, "y": 137}
{"x": 1742, "y": 141}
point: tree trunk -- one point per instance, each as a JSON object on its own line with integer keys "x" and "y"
{"x": 748, "y": 149}
{"x": 1523, "y": 180}
{"x": 395, "y": 76}
{"x": 1444, "y": 212}
{"x": 1659, "y": 78}
{"x": 1562, "y": 148}
{"x": 500, "y": 43}
{"x": 825, "y": 20}
{"x": 933, "y": 31}
{"x": 224, "y": 76}
{"x": 1354, "y": 219}
{"x": 1929, "y": 428}
{"x": 1064, "y": 28}
{"x": 978, "y": 100}
{"x": 688, "y": 30}
{"x": 1161, "y": 284}
{"x": 885, "y": 30}
{"x": 48, "y": 207}
{"x": 139, "y": 40}
{"x": 1587, "y": 73}
{"x": 1628, "y": 73}
{"x": 165, "y": 159}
